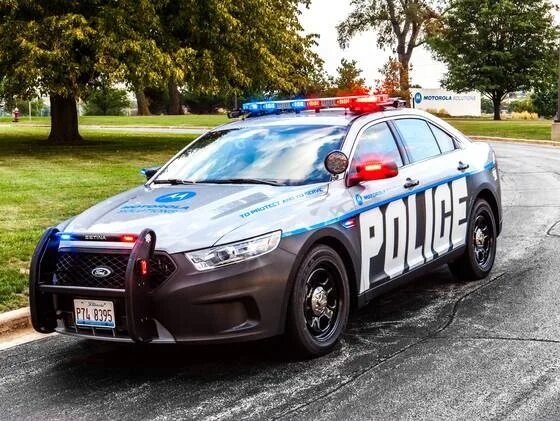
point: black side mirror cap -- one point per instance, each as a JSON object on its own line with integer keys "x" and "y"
{"x": 149, "y": 172}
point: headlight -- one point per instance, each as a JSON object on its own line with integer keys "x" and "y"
{"x": 233, "y": 253}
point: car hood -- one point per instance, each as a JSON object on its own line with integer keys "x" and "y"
{"x": 189, "y": 217}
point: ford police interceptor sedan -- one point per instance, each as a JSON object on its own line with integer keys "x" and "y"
{"x": 277, "y": 223}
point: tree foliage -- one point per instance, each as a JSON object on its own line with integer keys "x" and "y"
{"x": 107, "y": 101}
{"x": 399, "y": 24}
{"x": 349, "y": 80}
{"x": 65, "y": 49}
{"x": 495, "y": 46}
{"x": 545, "y": 89}
{"x": 522, "y": 105}
{"x": 390, "y": 83}
{"x": 68, "y": 48}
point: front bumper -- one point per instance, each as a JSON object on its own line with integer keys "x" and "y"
{"x": 243, "y": 301}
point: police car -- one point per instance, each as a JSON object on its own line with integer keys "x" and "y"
{"x": 278, "y": 223}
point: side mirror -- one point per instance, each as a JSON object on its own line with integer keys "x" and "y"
{"x": 373, "y": 170}
{"x": 336, "y": 162}
{"x": 149, "y": 172}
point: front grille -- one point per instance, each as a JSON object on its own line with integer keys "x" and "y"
{"x": 75, "y": 269}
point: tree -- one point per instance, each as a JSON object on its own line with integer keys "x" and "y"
{"x": 495, "y": 46}
{"x": 65, "y": 48}
{"x": 107, "y": 101}
{"x": 349, "y": 80}
{"x": 400, "y": 25}
{"x": 238, "y": 47}
{"x": 391, "y": 81}
{"x": 545, "y": 90}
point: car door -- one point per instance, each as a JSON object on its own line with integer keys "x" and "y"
{"x": 417, "y": 216}
{"x": 382, "y": 211}
{"x": 438, "y": 170}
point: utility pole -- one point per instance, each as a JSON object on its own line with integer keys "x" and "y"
{"x": 557, "y": 117}
{"x": 556, "y": 124}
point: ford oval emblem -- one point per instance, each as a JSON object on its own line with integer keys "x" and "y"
{"x": 101, "y": 272}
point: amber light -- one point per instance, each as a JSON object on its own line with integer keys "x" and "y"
{"x": 315, "y": 103}
{"x": 128, "y": 238}
{"x": 343, "y": 101}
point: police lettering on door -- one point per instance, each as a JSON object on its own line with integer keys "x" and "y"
{"x": 408, "y": 232}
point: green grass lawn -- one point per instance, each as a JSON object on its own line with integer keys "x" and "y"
{"x": 41, "y": 185}
{"x": 191, "y": 120}
{"x": 537, "y": 129}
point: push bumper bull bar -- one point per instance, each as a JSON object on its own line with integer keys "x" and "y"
{"x": 140, "y": 325}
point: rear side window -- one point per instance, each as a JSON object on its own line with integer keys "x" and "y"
{"x": 444, "y": 141}
{"x": 377, "y": 142}
{"x": 418, "y": 139}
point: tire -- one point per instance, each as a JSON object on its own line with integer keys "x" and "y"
{"x": 319, "y": 304}
{"x": 478, "y": 259}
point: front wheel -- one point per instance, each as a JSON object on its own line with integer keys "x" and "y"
{"x": 320, "y": 302}
{"x": 478, "y": 259}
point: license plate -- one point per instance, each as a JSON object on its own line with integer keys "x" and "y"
{"x": 94, "y": 313}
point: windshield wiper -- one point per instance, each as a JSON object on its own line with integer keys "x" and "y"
{"x": 173, "y": 181}
{"x": 243, "y": 181}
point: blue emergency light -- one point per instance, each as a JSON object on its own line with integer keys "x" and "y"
{"x": 360, "y": 103}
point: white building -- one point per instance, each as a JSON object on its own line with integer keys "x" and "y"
{"x": 454, "y": 104}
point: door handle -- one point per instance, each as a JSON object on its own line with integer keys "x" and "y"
{"x": 410, "y": 183}
{"x": 462, "y": 166}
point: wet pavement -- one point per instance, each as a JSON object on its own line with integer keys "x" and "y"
{"x": 435, "y": 349}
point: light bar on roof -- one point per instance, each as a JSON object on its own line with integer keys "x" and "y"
{"x": 361, "y": 103}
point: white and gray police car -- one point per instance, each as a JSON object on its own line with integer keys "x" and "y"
{"x": 277, "y": 223}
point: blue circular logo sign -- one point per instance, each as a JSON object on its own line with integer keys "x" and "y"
{"x": 418, "y": 98}
{"x": 175, "y": 197}
{"x": 359, "y": 200}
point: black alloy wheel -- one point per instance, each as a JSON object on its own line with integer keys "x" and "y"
{"x": 478, "y": 259}
{"x": 320, "y": 302}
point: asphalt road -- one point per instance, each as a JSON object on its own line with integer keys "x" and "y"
{"x": 436, "y": 349}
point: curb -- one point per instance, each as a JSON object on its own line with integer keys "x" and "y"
{"x": 14, "y": 320}
{"x": 515, "y": 140}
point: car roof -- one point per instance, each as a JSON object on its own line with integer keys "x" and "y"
{"x": 329, "y": 117}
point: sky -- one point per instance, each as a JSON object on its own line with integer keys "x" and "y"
{"x": 323, "y": 16}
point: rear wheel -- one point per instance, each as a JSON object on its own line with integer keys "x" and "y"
{"x": 320, "y": 302}
{"x": 478, "y": 259}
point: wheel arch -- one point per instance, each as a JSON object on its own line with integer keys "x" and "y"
{"x": 349, "y": 265}
{"x": 489, "y": 197}
{"x": 342, "y": 243}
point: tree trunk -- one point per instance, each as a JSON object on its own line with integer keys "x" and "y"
{"x": 64, "y": 120}
{"x": 497, "y": 101}
{"x": 142, "y": 101}
{"x": 175, "y": 106}
{"x": 404, "y": 77}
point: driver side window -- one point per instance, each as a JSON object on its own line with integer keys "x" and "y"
{"x": 376, "y": 143}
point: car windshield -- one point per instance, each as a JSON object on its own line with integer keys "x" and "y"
{"x": 277, "y": 155}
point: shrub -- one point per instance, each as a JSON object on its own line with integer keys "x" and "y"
{"x": 522, "y": 105}
{"x": 525, "y": 115}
